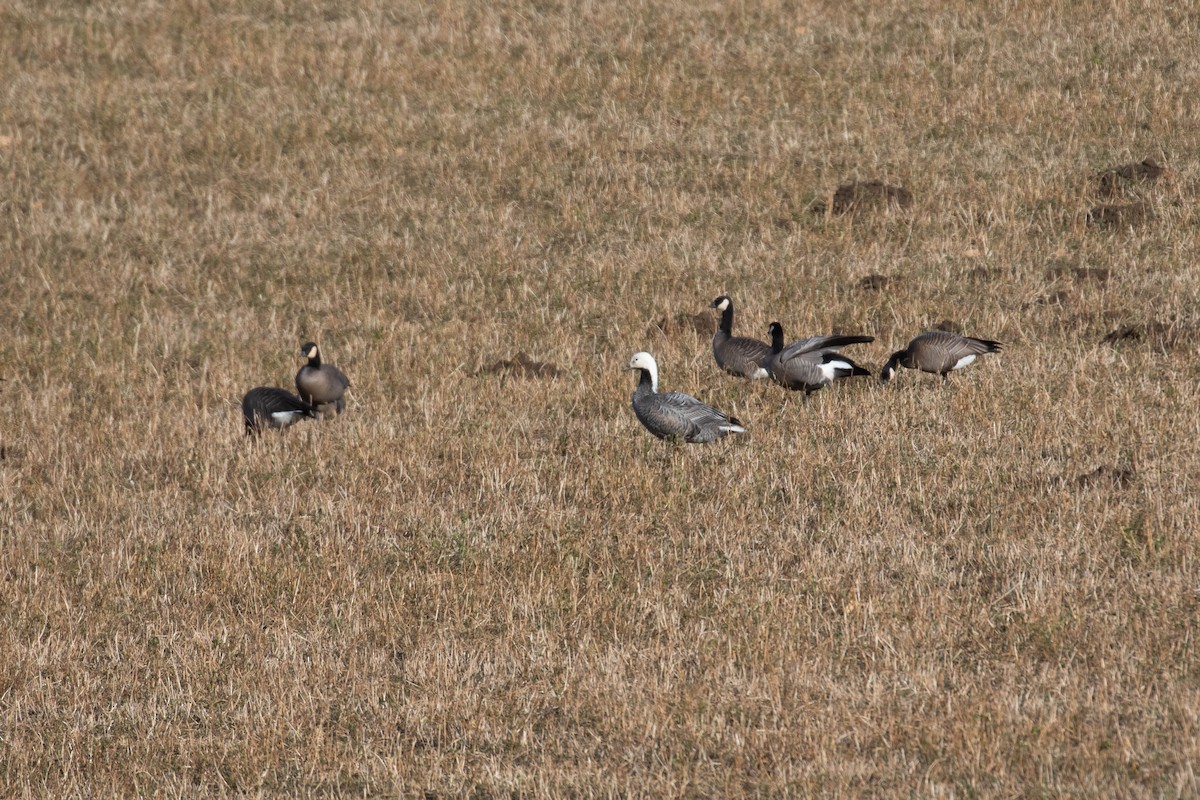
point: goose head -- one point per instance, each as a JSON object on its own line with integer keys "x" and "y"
{"x": 889, "y": 369}
{"x": 775, "y": 333}
{"x": 645, "y": 362}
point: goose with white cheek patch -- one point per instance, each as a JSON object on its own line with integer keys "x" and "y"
{"x": 738, "y": 355}
{"x": 267, "y": 407}
{"x": 812, "y": 363}
{"x": 321, "y": 385}
{"x": 939, "y": 352}
{"x": 675, "y": 415}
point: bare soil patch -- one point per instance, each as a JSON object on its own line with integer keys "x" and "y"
{"x": 869, "y": 196}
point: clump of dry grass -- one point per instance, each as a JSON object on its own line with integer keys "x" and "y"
{"x": 469, "y": 584}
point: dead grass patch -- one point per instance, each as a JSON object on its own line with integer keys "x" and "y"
{"x": 478, "y": 583}
{"x": 522, "y": 366}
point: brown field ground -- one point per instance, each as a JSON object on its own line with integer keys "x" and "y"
{"x": 494, "y": 582}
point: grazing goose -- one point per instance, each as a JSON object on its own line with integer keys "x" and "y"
{"x": 738, "y": 355}
{"x": 267, "y": 407}
{"x": 674, "y": 415}
{"x": 940, "y": 352}
{"x": 811, "y": 363}
{"x": 322, "y": 385}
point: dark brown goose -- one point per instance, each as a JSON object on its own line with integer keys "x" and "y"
{"x": 939, "y": 352}
{"x": 811, "y": 363}
{"x": 322, "y": 385}
{"x": 737, "y": 355}
{"x": 675, "y": 415}
{"x": 267, "y": 407}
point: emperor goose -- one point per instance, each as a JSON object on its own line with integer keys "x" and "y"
{"x": 940, "y": 352}
{"x": 738, "y": 355}
{"x": 267, "y": 407}
{"x": 322, "y": 385}
{"x": 811, "y": 363}
{"x": 675, "y": 415}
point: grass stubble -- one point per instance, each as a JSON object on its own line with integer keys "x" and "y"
{"x": 478, "y": 582}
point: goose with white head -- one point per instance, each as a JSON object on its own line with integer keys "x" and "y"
{"x": 810, "y": 364}
{"x": 738, "y": 355}
{"x": 675, "y": 415}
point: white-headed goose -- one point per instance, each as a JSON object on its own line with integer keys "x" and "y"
{"x": 939, "y": 352}
{"x": 739, "y": 355}
{"x": 322, "y": 385}
{"x": 675, "y": 415}
{"x": 267, "y": 407}
{"x": 811, "y": 363}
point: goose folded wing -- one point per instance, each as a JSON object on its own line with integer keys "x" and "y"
{"x": 750, "y": 348}
{"x": 276, "y": 402}
{"x": 688, "y": 415}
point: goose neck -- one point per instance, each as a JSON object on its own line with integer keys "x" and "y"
{"x": 727, "y": 320}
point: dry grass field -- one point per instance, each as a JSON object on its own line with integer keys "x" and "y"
{"x": 486, "y": 580}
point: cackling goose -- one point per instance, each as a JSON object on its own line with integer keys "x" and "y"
{"x": 940, "y": 352}
{"x": 322, "y": 385}
{"x": 267, "y": 407}
{"x": 739, "y": 355}
{"x": 811, "y": 363}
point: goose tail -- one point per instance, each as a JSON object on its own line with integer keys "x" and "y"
{"x": 734, "y": 426}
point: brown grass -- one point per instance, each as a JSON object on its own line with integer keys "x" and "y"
{"x": 474, "y": 584}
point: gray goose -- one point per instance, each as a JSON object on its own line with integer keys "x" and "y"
{"x": 267, "y": 407}
{"x": 737, "y": 355}
{"x": 940, "y": 352}
{"x": 811, "y": 363}
{"x": 675, "y": 415}
{"x": 322, "y": 385}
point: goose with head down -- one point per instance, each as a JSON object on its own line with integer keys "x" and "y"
{"x": 939, "y": 352}
{"x": 267, "y": 407}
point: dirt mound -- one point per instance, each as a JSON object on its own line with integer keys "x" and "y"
{"x": 1107, "y": 475}
{"x": 1099, "y": 275}
{"x": 1160, "y": 335}
{"x": 702, "y": 324}
{"x": 875, "y": 282}
{"x": 1121, "y": 215}
{"x": 869, "y": 194}
{"x": 950, "y": 326}
{"x": 522, "y": 366}
{"x": 1126, "y": 178}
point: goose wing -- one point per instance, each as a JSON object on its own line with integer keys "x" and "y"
{"x": 271, "y": 407}
{"x": 800, "y": 369}
{"x": 816, "y": 368}
{"x": 323, "y": 384}
{"x": 266, "y": 401}
{"x": 814, "y": 343}
{"x": 945, "y": 350}
{"x": 679, "y": 414}
{"x": 339, "y": 377}
{"x": 741, "y": 355}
